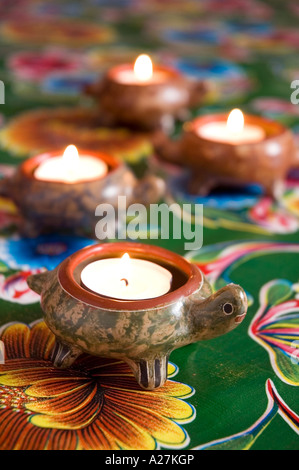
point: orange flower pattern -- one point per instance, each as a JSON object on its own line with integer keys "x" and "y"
{"x": 51, "y": 129}
{"x": 96, "y": 404}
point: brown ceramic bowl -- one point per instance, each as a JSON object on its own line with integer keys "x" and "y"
{"x": 215, "y": 163}
{"x": 147, "y": 106}
{"x": 47, "y": 206}
{"x": 142, "y": 333}
{"x": 266, "y": 163}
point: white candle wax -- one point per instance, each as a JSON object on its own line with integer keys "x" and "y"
{"x": 234, "y": 131}
{"x": 71, "y": 168}
{"x": 219, "y": 132}
{"x": 128, "y": 77}
{"x": 126, "y": 278}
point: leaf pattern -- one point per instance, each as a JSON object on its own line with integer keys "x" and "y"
{"x": 246, "y": 439}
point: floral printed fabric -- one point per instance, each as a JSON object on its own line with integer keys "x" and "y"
{"x": 96, "y": 404}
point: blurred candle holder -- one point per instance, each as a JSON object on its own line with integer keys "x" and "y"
{"x": 147, "y": 96}
{"x": 58, "y": 192}
{"x": 232, "y": 150}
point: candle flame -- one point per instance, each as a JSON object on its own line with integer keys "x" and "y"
{"x": 143, "y": 68}
{"x": 236, "y": 121}
{"x": 126, "y": 257}
{"x": 71, "y": 156}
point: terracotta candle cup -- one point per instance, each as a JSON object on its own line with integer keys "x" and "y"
{"x": 55, "y": 206}
{"x": 262, "y": 160}
{"x": 140, "y": 332}
{"x": 150, "y": 104}
{"x": 265, "y": 162}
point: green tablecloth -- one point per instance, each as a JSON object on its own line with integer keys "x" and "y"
{"x": 234, "y": 392}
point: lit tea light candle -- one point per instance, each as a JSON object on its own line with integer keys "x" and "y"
{"x": 235, "y": 131}
{"x": 71, "y": 167}
{"x": 126, "y": 279}
{"x": 143, "y": 68}
{"x": 142, "y": 73}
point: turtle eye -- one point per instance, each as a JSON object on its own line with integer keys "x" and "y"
{"x": 228, "y": 308}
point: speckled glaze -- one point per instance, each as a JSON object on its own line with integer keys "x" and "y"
{"x": 60, "y": 207}
{"x": 143, "y": 105}
{"x": 214, "y": 163}
{"x": 142, "y": 333}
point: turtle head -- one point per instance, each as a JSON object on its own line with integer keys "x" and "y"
{"x": 220, "y": 313}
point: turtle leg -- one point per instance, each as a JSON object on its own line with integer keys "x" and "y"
{"x": 150, "y": 373}
{"x": 64, "y": 355}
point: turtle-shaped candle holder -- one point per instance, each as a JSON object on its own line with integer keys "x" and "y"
{"x": 214, "y": 164}
{"x": 142, "y": 333}
{"x": 146, "y": 105}
{"x": 58, "y": 207}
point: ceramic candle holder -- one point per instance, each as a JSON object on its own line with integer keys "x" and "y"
{"x": 146, "y": 105}
{"x": 47, "y": 206}
{"x": 142, "y": 333}
{"x": 213, "y": 163}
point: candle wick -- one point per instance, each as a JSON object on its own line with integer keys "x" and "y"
{"x": 125, "y": 281}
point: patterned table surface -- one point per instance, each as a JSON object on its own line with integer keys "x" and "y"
{"x": 235, "y": 392}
